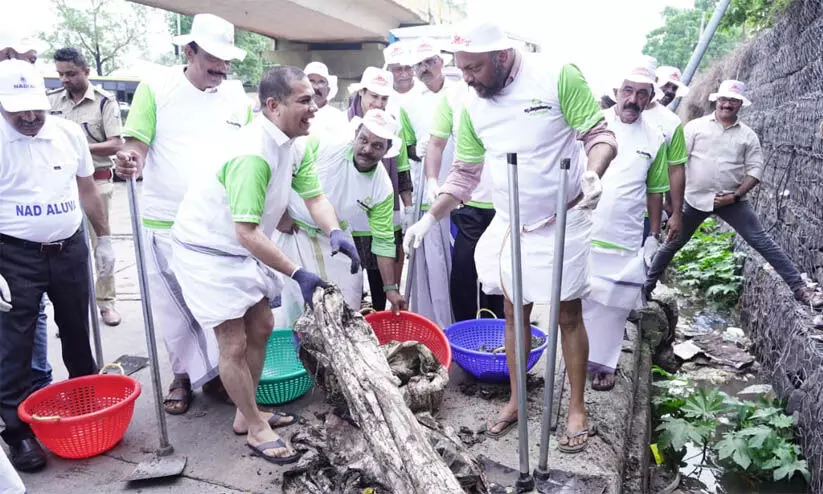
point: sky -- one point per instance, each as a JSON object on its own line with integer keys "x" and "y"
{"x": 602, "y": 37}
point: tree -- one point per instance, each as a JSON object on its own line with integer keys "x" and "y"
{"x": 104, "y": 30}
{"x": 251, "y": 69}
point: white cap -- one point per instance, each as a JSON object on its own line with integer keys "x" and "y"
{"x": 398, "y": 53}
{"x": 376, "y": 80}
{"x": 733, "y": 90}
{"x": 319, "y": 68}
{"x": 213, "y": 34}
{"x": 382, "y": 125}
{"x": 668, "y": 74}
{"x": 22, "y": 87}
{"x": 425, "y": 48}
{"x": 480, "y": 37}
{"x": 642, "y": 71}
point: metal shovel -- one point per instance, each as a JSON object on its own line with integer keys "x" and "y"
{"x": 93, "y": 310}
{"x": 525, "y": 482}
{"x": 418, "y": 208}
{"x": 542, "y": 471}
{"x": 163, "y": 464}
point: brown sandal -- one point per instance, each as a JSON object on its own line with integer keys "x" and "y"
{"x": 179, "y": 398}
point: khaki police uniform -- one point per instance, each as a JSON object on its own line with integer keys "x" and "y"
{"x": 98, "y": 114}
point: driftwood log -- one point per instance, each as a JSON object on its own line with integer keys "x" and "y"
{"x": 344, "y": 344}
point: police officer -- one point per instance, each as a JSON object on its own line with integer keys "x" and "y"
{"x": 98, "y": 114}
{"x": 45, "y": 176}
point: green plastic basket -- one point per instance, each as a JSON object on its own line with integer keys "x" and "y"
{"x": 284, "y": 378}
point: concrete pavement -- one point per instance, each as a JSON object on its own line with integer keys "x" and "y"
{"x": 218, "y": 461}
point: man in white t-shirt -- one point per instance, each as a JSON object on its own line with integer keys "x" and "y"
{"x": 358, "y": 186}
{"x": 328, "y": 120}
{"x": 179, "y": 125}
{"x": 226, "y": 262}
{"x": 45, "y": 178}
{"x": 538, "y": 110}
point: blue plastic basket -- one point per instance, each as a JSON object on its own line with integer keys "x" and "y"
{"x": 284, "y": 378}
{"x": 466, "y": 337}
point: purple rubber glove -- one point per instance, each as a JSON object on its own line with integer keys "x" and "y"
{"x": 309, "y": 282}
{"x": 339, "y": 243}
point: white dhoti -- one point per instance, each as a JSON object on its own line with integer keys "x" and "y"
{"x": 219, "y": 288}
{"x": 432, "y": 269}
{"x": 312, "y": 252}
{"x": 494, "y": 266}
{"x": 191, "y": 350}
{"x": 615, "y": 290}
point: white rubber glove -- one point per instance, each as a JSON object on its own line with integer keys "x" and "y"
{"x": 408, "y": 217}
{"x": 650, "y": 249}
{"x": 592, "y": 189}
{"x": 5, "y": 295}
{"x": 432, "y": 189}
{"x": 104, "y": 256}
{"x": 416, "y": 232}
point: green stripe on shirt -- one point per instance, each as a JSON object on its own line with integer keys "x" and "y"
{"x": 246, "y": 180}
{"x": 469, "y": 147}
{"x": 304, "y": 181}
{"x": 443, "y": 119}
{"x": 381, "y": 219}
{"x": 141, "y": 123}
{"x": 657, "y": 179}
{"x": 580, "y": 109}
{"x": 676, "y": 153}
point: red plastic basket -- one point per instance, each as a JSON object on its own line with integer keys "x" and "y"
{"x": 81, "y": 417}
{"x": 408, "y": 326}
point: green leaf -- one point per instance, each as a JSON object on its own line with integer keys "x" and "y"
{"x": 787, "y": 471}
{"x": 757, "y": 435}
{"x": 705, "y": 404}
{"x": 676, "y": 432}
{"x": 765, "y": 414}
{"x": 736, "y": 447}
{"x": 782, "y": 422}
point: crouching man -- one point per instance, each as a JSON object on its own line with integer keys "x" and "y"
{"x": 363, "y": 198}
{"x": 224, "y": 255}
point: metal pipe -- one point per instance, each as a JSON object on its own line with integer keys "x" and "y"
{"x": 151, "y": 341}
{"x": 542, "y": 471}
{"x": 519, "y": 336}
{"x": 418, "y": 207}
{"x": 702, "y": 46}
{"x": 93, "y": 309}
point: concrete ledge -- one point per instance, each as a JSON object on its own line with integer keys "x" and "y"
{"x": 780, "y": 329}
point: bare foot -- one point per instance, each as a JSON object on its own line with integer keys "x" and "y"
{"x": 265, "y": 435}
{"x": 504, "y": 418}
{"x": 241, "y": 426}
{"x": 576, "y": 422}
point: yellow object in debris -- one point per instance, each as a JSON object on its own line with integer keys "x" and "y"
{"x": 658, "y": 458}
{"x": 368, "y": 490}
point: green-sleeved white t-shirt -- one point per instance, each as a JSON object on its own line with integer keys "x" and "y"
{"x": 539, "y": 116}
{"x": 640, "y": 168}
{"x": 363, "y": 201}
{"x": 187, "y": 130}
{"x": 252, "y": 186}
{"x": 670, "y": 125}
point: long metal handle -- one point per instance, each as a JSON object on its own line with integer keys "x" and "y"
{"x": 151, "y": 342}
{"x": 93, "y": 309}
{"x": 517, "y": 302}
{"x": 418, "y": 208}
{"x": 554, "y": 317}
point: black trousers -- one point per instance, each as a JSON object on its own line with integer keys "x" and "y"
{"x": 471, "y": 222}
{"x": 378, "y": 296}
{"x": 31, "y": 271}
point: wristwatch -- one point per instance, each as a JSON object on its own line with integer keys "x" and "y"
{"x": 389, "y": 288}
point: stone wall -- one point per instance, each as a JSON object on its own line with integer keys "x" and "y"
{"x": 783, "y": 69}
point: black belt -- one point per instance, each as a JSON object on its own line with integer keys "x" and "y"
{"x": 44, "y": 247}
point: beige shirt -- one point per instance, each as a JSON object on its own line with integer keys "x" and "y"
{"x": 98, "y": 126}
{"x": 719, "y": 159}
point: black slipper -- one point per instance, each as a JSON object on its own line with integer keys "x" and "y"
{"x": 510, "y": 424}
{"x": 589, "y": 432}
{"x": 280, "y": 460}
{"x": 273, "y": 421}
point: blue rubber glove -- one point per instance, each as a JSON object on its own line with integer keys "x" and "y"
{"x": 339, "y": 243}
{"x": 308, "y": 282}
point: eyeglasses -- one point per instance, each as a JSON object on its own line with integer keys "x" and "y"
{"x": 321, "y": 83}
{"x": 427, "y": 63}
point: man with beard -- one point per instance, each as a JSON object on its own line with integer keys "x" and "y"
{"x": 360, "y": 190}
{"x": 725, "y": 164}
{"x": 98, "y": 114}
{"x": 46, "y": 172}
{"x": 179, "y": 123}
{"x": 226, "y": 222}
{"x": 526, "y": 105}
{"x": 328, "y": 120}
{"x": 633, "y": 184}
{"x": 374, "y": 92}
{"x": 668, "y": 80}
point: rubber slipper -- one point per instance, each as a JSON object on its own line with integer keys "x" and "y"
{"x": 280, "y": 460}
{"x": 169, "y": 402}
{"x": 510, "y": 424}
{"x": 589, "y": 432}
{"x": 599, "y": 378}
{"x": 273, "y": 421}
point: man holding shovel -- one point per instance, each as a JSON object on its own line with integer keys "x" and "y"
{"x": 525, "y": 105}
{"x": 225, "y": 259}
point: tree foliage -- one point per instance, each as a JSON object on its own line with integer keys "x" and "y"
{"x": 251, "y": 69}
{"x": 674, "y": 42}
{"x": 104, "y": 30}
